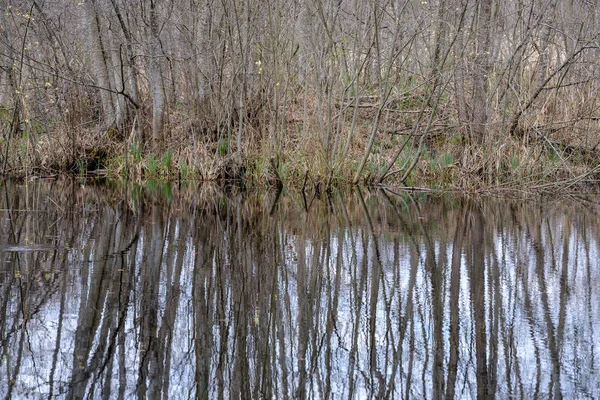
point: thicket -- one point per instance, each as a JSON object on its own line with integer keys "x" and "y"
{"x": 446, "y": 93}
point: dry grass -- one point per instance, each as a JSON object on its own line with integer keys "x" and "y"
{"x": 557, "y": 144}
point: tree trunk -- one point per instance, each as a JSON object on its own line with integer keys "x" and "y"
{"x": 99, "y": 61}
{"x": 118, "y": 81}
{"x": 132, "y": 70}
{"x": 156, "y": 78}
{"x": 480, "y": 72}
{"x": 5, "y": 61}
{"x": 459, "y": 69}
{"x": 542, "y": 48}
{"x": 201, "y": 51}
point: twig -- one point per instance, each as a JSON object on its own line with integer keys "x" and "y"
{"x": 56, "y": 204}
{"x": 305, "y": 180}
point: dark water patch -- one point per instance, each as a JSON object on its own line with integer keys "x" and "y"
{"x": 197, "y": 293}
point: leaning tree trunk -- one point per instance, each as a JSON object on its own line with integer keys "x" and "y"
{"x": 4, "y": 58}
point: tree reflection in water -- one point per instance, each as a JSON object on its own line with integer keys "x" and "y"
{"x": 154, "y": 294}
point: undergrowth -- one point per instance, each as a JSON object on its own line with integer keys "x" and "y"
{"x": 447, "y": 157}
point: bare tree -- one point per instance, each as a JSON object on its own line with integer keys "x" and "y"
{"x": 481, "y": 69}
{"x": 155, "y": 68}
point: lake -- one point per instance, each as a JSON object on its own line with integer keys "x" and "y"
{"x": 120, "y": 291}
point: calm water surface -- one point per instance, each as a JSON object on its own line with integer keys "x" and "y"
{"x": 160, "y": 292}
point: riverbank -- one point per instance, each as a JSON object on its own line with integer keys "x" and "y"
{"x": 444, "y": 160}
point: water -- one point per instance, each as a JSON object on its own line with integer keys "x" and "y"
{"x": 120, "y": 292}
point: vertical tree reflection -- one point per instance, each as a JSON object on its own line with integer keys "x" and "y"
{"x": 121, "y": 292}
{"x": 477, "y": 278}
